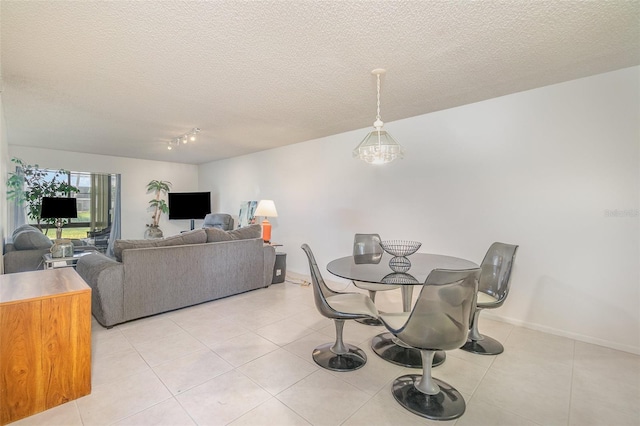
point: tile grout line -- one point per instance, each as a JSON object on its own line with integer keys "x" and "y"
{"x": 573, "y": 366}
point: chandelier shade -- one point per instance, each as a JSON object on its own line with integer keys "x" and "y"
{"x": 378, "y": 147}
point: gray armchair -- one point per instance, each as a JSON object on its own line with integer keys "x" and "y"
{"x": 218, "y": 220}
{"x": 28, "y": 245}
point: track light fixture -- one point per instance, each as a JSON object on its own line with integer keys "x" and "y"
{"x": 183, "y": 139}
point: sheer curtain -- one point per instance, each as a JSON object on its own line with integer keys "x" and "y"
{"x": 17, "y": 211}
{"x": 99, "y": 207}
{"x": 115, "y": 224}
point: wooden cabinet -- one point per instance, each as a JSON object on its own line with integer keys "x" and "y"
{"x": 45, "y": 341}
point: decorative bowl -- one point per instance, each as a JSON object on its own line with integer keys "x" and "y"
{"x": 400, "y": 247}
{"x": 399, "y": 264}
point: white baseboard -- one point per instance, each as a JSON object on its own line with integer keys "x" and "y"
{"x": 563, "y": 333}
{"x": 298, "y": 279}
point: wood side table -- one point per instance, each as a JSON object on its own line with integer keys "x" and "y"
{"x": 45, "y": 341}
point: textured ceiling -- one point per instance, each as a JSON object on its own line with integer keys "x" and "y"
{"x": 123, "y": 78}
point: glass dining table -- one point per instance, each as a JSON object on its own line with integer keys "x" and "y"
{"x": 375, "y": 268}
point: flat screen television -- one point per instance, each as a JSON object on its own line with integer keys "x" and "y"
{"x": 189, "y": 205}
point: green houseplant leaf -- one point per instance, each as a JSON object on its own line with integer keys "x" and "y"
{"x": 29, "y": 184}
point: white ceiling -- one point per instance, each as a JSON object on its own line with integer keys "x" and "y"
{"x": 123, "y": 78}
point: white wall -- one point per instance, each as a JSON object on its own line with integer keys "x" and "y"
{"x": 4, "y": 160}
{"x": 539, "y": 168}
{"x": 135, "y": 176}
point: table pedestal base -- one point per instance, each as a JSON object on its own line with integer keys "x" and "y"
{"x": 386, "y": 347}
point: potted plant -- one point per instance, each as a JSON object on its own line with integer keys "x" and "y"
{"x": 159, "y": 188}
{"x": 29, "y": 184}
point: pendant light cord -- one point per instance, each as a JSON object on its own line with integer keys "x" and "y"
{"x": 378, "y": 86}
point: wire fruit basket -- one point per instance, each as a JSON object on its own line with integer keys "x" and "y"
{"x": 400, "y": 247}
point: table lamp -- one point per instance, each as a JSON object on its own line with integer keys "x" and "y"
{"x": 266, "y": 208}
{"x": 58, "y": 209}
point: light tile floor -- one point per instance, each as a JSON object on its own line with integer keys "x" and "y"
{"x": 246, "y": 360}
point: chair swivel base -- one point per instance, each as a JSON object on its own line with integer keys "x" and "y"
{"x": 369, "y": 321}
{"x": 385, "y": 346}
{"x": 486, "y": 346}
{"x": 448, "y": 404}
{"x": 355, "y": 358}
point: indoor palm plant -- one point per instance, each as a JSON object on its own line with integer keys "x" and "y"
{"x": 159, "y": 188}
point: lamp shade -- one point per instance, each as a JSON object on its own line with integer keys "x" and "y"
{"x": 266, "y": 208}
{"x": 54, "y": 208}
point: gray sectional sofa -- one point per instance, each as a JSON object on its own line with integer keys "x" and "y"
{"x": 154, "y": 276}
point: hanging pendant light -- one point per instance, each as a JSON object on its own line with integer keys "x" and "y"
{"x": 379, "y": 147}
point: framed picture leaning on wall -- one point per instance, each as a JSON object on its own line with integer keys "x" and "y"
{"x": 246, "y": 216}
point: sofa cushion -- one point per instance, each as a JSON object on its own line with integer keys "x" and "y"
{"x": 197, "y": 236}
{"x": 120, "y": 245}
{"x": 30, "y": 238}
{"x": 248, "y": 232}
{"x": 215, "y": 235}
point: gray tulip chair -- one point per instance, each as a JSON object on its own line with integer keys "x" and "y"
{"x": 439, "y": 321}
{"x": 338, "y": 356}
{"x": 493, "y": 289}
{"x": 367, "y": 246}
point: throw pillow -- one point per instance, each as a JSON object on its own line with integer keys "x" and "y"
{"x": 31, "y": 239}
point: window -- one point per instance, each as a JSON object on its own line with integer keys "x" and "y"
{"x": 95, "y": 201}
